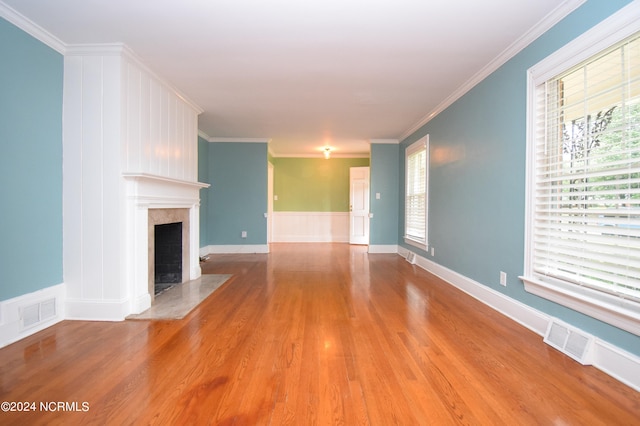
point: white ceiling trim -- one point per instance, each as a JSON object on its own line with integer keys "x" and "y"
{"x": 121, "y": 49}
{"x": 555, "y": 16}
{"x": 39, "y": 33}
{"x": 239, "y": 140}
{"x": 384, "y": 141}
{"x": 31, "y": 28}
{"x": 321, "y": 155}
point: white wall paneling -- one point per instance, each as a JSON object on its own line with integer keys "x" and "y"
{"x": 119, "y": 119}
{"x": 310, "y": 227}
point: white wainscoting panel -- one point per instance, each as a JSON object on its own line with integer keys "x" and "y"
{"x": 310, "y": 227}
{"x": 12, "y": 328}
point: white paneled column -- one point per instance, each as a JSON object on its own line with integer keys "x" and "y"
{"x": 120, "y": 120}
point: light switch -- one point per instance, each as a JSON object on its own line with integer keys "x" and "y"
{"x": 377, "y": 195}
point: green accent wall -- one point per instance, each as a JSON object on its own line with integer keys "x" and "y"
{"x": 313, "y": 184}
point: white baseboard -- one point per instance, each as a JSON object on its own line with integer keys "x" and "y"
{"x": 230, "y": 249}
{"x": 617, "y": 363}
{"x": 97, "y": 310}
{"x": 608, "y": 358}
{"x": 11, "y": 327}
{"x": 392, "y": 248}
{"x": 290, "y": 238}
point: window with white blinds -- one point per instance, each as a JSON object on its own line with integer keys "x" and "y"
{"x": 584, "y": 180}
{"x": 416, "y": 167}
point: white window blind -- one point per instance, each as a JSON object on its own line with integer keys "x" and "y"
{"x": 585, "y": 214}
{"x": 416, "y": 192}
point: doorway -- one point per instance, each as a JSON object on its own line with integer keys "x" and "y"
{"x": 359, "y": 205}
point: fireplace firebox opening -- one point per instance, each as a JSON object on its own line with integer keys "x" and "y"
{"x": 168, "y": 256}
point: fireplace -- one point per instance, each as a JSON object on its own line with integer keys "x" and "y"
{"x": 167, "y": 256}
{"x": 151, "y": 201}
{"x": 168, "y": 241}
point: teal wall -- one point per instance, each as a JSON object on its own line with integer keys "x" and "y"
{"x": 238, "y": 193}
{"x": 477, "y": 177}
{"x": 203, "y": 176}
{"x": 385, "y": 181}
{"x": 31, "y": 76}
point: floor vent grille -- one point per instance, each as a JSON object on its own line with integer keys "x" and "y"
{"x": 570, "y": 341}
{"x": 37, "y": 313}
{"x": 411, "y": 257}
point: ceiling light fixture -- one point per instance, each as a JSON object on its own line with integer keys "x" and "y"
{"x": 327, "y": 152}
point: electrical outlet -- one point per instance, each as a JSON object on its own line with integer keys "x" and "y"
{"x": 244, "y": 234}
{"x": 503, "y": 278}
{"x": 433, "y": 251}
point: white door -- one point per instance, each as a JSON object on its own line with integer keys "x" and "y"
{"x": 359, "y": 205}
{"x": 269, "y": 202}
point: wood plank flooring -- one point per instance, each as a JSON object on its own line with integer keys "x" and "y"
{"x": 311, "y": 334}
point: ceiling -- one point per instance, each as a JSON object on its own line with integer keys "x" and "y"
{"x": 304, "y": 74}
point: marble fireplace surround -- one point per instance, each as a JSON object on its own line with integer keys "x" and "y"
{"x": 162, "y": 217}
{"x": 152, "y": 200}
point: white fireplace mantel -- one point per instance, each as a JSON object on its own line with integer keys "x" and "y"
{"x": 156, "y": 178}
{"x": 143, "y": 192}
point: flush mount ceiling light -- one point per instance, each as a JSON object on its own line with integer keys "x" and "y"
{"x": 327, "y": 152}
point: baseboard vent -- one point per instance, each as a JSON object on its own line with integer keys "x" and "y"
{"x": 411, "y": 257}
{"x": 570, "y": 341}
{"x": 37, "y": 313}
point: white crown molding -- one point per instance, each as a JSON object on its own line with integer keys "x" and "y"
{"x": 555, "y": 16}
{"x": 239, "y": 140}
{"x": 39, "y": 33}
{"x": 204, "y": 136}
{"x": 384, "y": 141}
{"x": 321, "y": 155}
{"x": 99, "y": 49}
{"x": 31, "y": 28}
{"x": 121, "y": 49}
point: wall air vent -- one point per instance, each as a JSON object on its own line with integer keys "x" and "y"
{"x": 570, "y": 341}
{"x": 411, "y": 257}
{"x": 37, "y": 313}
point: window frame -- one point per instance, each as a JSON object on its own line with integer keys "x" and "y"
{"x": 419, "y": 145}
{"x": 612, "y": 309}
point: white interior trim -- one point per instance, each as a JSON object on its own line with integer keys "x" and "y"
{"x": 310, "y": 227}
{"x": 31, "y": 28}
{"x": 564, "y": 9}
{"x": 624, "y": 314}
{"x": 233, "y": 249}
{"x": 610, "y": 359}
{"x": 10, "y": 330}
{"x": 382, "y": 248}
{"x": 237, "y": 140}
{"x": 97, "y": 310}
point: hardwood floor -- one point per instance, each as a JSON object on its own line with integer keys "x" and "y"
{"x": 311, "y": 334}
